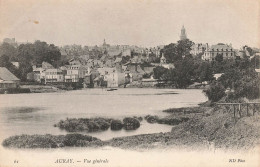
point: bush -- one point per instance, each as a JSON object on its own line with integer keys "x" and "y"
{"x": 27, "y": 141}
{"x": 151, "y": 118}
{"x": 131, "y": 123}
{"x": 77, "y": 139}
{"x": 84, "y": 124}
{"x": 116, "y": 125}
{"x": 51, "y": 141}
{"x": 215, "y": 92}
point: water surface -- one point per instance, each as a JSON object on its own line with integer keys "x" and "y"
{"x": 37, "y": 113}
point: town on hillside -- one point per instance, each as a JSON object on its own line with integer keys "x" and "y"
{"x": 177, "y": 65}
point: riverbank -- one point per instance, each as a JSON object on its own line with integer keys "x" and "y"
{"x": 41, "y": 88}
{"x": 30, "y": 88}
{"x": 206, "y": 128}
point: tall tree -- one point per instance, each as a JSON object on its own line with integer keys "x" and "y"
{"x": 183, "y": 48}
{"x": 8, "y": 50}
{"x": 170, "y": 53}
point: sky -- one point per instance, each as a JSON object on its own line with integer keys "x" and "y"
{"x": 132, "y": 22}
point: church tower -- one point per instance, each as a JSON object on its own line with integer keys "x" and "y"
{"x": 183, "y": 33}
{"x": 163, "y": 59}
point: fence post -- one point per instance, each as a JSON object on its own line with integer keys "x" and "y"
{"x": 247, "y": 109}
{"x": 239, "y": 109}
{"x": 253, "y": 109}
{"x": 234, "y": 111}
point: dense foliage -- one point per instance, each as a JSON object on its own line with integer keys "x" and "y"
{"x": 238, "y": 76}
{"x": 27, "y": 55}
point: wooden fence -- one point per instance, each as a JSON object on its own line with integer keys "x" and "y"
{"x": 238, "y": 107}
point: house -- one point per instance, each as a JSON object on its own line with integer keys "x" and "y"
{"x": 109, "y": 63}
{"x": 115, "y": 79}
{"x": 54, "y": 76}
{"x": 74, "y": 62}
{"x": 39, "y": 72}
{"x": 163, "y": 59}
{"x": 126, "y": 52}
{"x": 7, "y": 79}
{"x": 15, "y": 63}
{"x": 198, "y": 48}
{"x": 113, "y": 52}
{"x": 32, "y": 76}
{"x": 105, "y": 70}
{"x": 75, "y": 73}
{"x": 216, "y": 76}
{"x": 94, "y": 73}
{"x": 104, "y": 58}
{"x": 149, "y": 82}
{"x": 118, "y": 60}
{"x": 220, "y": 49}
{"x": 84, "y": 57}
{"x": 88, "y": 81}
{"x": 97, "y": 63}
{"x": 168, "y": 66}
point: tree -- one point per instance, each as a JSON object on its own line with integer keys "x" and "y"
{"x": 170, "y": 53}
{"x": 8, "y": 50}
{"x": 215, "y": 92}
{"x": 48, "y": 53}
{"x": 183, "y": 48}
{"x": 4, "y": 61}
{"x": 159, "y": 72}
{"x": 175, "y": 52}
{"x": 185, "y": 72}
{"x": 205, "y": 72}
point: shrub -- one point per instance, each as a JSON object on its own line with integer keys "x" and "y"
{"x": 77, "y": 139}
{"x": 116, "y": 125}
{"x": 131, "y": 123}
{"x": 151, "y": 118}
{"x": 215, "y": 92}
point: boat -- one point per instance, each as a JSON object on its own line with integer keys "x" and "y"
{"x": 111, "y": 89}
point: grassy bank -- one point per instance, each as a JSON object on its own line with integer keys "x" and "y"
{"x": 41, "y": 88}
{"x": 52, "y": 141}
{"x": 14, "y": 90}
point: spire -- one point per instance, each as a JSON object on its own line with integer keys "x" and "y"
{"x": 183, "y": 33}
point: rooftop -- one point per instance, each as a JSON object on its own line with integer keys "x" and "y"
{"x": 6, "y": 75}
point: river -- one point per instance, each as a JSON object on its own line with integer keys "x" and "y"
{"x": 37, "y": 113}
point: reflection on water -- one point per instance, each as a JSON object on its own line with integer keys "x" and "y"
{"x": 37, "y": 113}
{"x": 22, "y": 109}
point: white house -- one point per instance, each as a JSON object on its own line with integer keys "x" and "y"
{"x": 75, "y": 73}
{"x": 54, "y": 75}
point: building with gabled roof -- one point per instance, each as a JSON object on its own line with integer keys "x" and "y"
{"x": 7, "y": 79}
{"x": 220, "y": 49}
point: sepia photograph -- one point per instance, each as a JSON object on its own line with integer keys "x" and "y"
{"x": 130, "y": 83}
